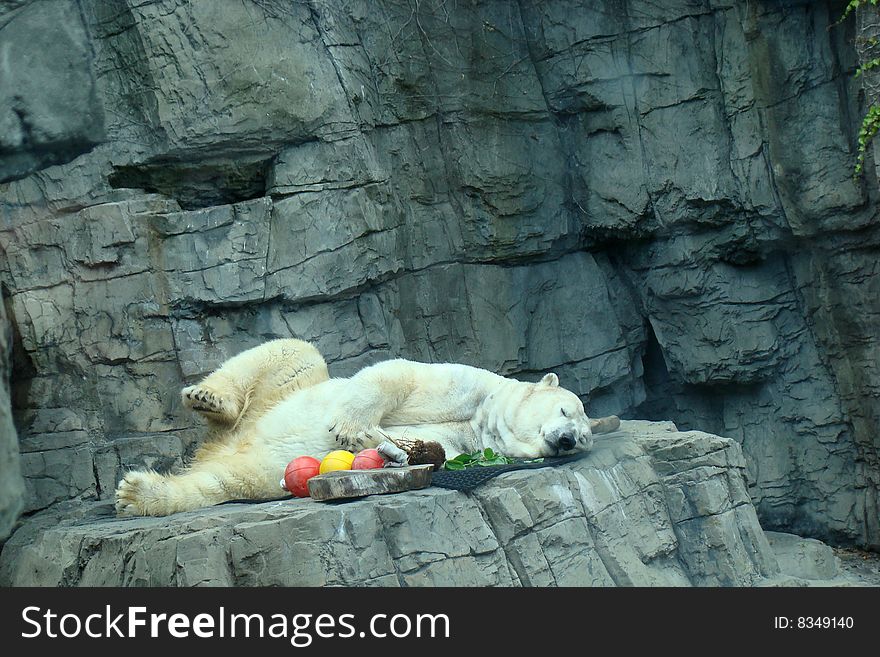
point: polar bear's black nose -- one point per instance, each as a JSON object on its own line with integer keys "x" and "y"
{"x": 566, "y": 441}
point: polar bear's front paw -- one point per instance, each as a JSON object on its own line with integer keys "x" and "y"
{"x": 140, "y": 494}
{"x": 350, "y": 436}
{"x": 212, "y": 404}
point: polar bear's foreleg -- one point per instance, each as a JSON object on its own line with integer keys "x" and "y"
{"x": 372, "y": 394}
{"x": 248, "y": 384}
{"x": 352, "y": 420}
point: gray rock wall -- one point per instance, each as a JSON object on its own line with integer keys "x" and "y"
{"x": 49, "y": 113}
{"x": 49, "y": 108}
{"x": 654, "y": 200}
{"x": 11, "y": 482}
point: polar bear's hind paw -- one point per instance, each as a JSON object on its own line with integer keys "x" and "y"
{"x": 138, "y": 494}
{"x": 126, "y": 500}
{"x": 211, "y": 403}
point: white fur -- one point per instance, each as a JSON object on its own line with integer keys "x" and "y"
{"x": 463, "y": 408}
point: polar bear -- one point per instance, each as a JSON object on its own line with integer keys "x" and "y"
{"x": 275, "y": 402}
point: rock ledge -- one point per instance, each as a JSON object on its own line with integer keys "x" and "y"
{"x": 650, "y": 506}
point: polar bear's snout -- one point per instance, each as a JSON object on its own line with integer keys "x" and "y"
{"x": 566, "y": 441}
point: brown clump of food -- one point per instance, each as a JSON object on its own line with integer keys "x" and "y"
{"x": 422, "y": 452}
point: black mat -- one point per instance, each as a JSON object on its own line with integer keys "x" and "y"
{"x": 469, "y": 478}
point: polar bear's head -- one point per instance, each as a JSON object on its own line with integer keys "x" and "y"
{"x": 542, "y": 419}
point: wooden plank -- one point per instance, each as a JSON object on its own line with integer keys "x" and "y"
{"x": 344, "y": 484}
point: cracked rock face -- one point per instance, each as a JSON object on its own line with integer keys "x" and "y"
{"x": 649, "y": 506}
{"x": 11, "y": 482}
{"x": 654, "y": 200}
{"x": 49, "y": 108}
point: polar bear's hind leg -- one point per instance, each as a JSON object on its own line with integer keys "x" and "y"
{"x": 148, "y": 493}
{"x": 248, "y": 384}
{"x": 289, "y": 365}
{"x": 223, "y": 477}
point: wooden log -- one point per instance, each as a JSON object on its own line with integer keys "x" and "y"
{"x": 605, "y": 424}
{"x": 343, "y": 484}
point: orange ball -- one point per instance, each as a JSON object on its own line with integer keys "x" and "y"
{"x": 368, "y": 459}
{"x": 298, "y": 473}
{"x": 339, "y": 459}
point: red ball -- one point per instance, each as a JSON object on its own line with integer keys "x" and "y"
{"x": 298, "y": 473}
{"x": 368, "y": 459}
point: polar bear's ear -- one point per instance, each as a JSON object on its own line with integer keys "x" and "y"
{"x": 549, "y": 380}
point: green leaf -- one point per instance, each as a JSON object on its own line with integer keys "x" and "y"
{"x": 481, "y": 458}
{"x": 852, "y": 6}
{"x": 869, "y": 129}
{"x": 867, "y": 66}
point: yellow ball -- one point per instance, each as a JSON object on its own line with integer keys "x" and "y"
{"x": 337, "y": 460}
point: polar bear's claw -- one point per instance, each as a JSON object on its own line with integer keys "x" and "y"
{"x": 139, "y": 494}
{"x": 128, "y": 497}
{"x": 350, "y": 436}
{"x": 203, "y": 400}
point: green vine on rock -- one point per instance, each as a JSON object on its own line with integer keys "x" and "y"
{"x": 867, "y": 46}
{"x": 869, "y": 129}
{"x": 855, "y": 4}
{"x": 867, "y": 66}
